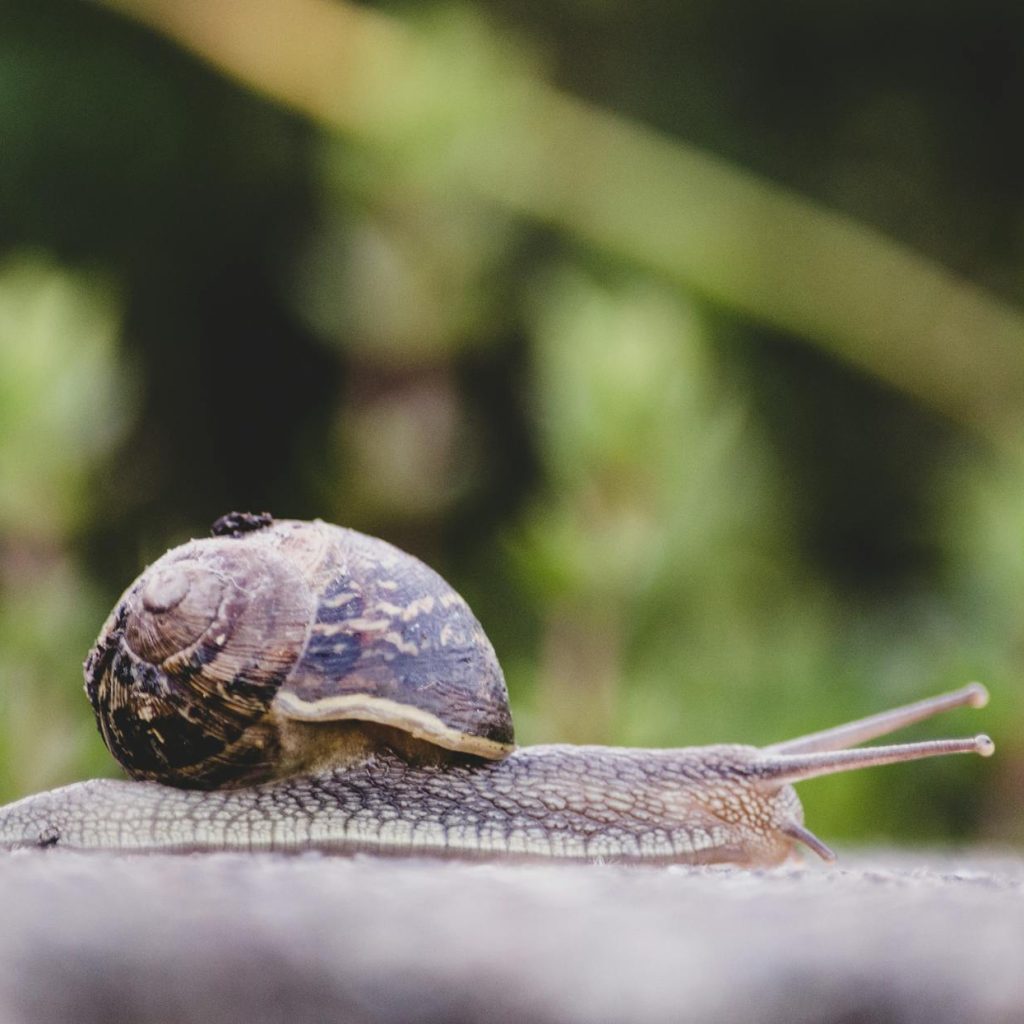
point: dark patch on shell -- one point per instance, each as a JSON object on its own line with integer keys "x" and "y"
{"x": 334, "y": 656}
{"x": 173, "y": 726}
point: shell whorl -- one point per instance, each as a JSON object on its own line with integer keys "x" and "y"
{"x": 190, "y": 661}
{"x": 227, "y": 648}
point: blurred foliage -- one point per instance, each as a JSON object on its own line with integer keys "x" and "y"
{"x": 718, "y": 430}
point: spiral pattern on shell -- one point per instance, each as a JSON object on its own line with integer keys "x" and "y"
{"x": 221, "y": 643}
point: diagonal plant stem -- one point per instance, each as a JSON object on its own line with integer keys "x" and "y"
{"x": 740, "y": 240}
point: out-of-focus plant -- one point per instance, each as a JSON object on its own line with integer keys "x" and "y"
{"x": 631, "y": 433}
{"x": 401, "y": 283}
{"x": 64, "y": 401}
{"x": 985, "y": 540}
{"x": 460, "y": 110}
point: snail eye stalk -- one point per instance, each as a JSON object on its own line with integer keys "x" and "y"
{"x": 828, "y": 751}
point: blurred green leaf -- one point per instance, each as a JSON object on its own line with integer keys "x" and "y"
{"x": 64, "y": 397}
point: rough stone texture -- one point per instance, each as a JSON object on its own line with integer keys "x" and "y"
{"x": 270, "y": 938}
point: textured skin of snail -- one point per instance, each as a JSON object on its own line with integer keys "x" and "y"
{"x": 286, "y": 685}
{"x": 568, "y": 802}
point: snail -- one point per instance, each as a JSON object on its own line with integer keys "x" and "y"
{"x": 286, "y": 685}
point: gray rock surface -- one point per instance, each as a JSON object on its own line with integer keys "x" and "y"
{"x": 267, "y": 938}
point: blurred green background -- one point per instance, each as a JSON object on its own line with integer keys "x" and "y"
{"x": 685, "y": 339}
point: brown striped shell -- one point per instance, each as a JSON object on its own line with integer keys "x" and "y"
{"x": 253, "y": 654}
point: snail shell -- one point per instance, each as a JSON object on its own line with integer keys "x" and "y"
{"x": 277, "y": 646}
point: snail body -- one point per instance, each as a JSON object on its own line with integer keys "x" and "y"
{"x": 286, "y": 685}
